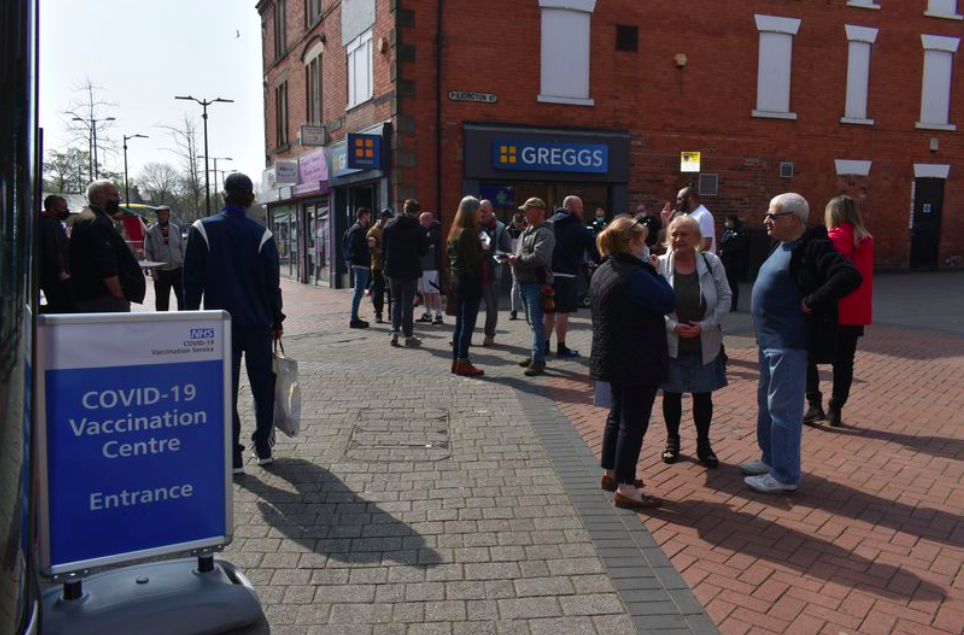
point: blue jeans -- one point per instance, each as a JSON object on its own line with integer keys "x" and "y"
{"x": 535, "y": 316}
{"x": 466, "y": 314}
{"x": 780, "y": 399}
{"x": 361, "y": 283}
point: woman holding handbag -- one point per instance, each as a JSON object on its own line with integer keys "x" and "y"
{"x": 468, "y": 276}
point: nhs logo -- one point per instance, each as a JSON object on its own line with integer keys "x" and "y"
{"x": 202, "y": 334}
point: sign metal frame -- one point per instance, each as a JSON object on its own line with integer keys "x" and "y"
{"x": 52, "y": 321}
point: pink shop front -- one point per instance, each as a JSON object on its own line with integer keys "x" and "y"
{"x": 300, "y": 218}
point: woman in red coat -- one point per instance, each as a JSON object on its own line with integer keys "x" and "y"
{"x": 851, "y": 238}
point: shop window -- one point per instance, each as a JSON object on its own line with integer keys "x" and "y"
{"x": 312, "y": 11}
{"x": 943, "y": 9}
{"x": 313, "y": 82}
{"x": 280, "y": 41}
{"x": 565, "y": 51}
{"x": 709, "y": 184}
{"x": 863, "y": 4}
{"x": 281, "y": 114}
{"x": 627, "y": 38}
{"x": 936, "y": 90}
{"x": 861, "y": 41}
{"x": 773, "y": 75}
{"x": 359, "y": 53}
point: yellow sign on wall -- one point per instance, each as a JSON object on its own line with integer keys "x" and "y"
{"x": 689, "y": 162}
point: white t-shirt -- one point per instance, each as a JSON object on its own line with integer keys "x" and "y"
{"x": 707, "y": 226}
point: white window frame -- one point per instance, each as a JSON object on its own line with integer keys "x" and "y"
{"x": 773, "y": 82}
{"x": 362, "y": 45}
{"x": 314, "y": 55}
{"x": 562, "y": 82}
{"x": 861, "y": 42}
{"x": 852, "y": 167}
{"x": 945, "y": 9}
{"x": 936, "y": 82}
{"x": 864, "y": 4}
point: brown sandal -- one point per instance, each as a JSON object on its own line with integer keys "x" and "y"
{"x": 608, "y": 483}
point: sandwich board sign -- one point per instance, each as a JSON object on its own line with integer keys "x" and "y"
{"x": 134, "y": 436}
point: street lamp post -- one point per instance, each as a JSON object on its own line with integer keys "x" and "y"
{"x": 204, "y": 105}
{"x": 216, "y": 159}
{"x": 92, "y": 127}
{"x": 127, "y": 192}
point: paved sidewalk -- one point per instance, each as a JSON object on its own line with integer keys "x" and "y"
{"x": 419, "y": 503}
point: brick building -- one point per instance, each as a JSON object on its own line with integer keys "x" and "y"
{"x": 600, "y": 97}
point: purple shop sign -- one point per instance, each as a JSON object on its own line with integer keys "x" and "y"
{"x": 313, "y": 173}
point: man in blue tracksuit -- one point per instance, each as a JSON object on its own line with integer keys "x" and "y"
{"x": 232, "y": 261}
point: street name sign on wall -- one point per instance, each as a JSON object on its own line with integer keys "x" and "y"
{"x": 134, "y": 436}
{"x": 549, "y": 156}
{"x": 479, "y": 98}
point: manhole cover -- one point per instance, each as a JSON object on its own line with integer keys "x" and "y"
{"x": 400, "y": 435}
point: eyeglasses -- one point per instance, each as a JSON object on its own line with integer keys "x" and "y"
{"x": 776, "y": 215}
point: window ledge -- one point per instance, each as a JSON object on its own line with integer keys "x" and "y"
{"x": 857, "y": 121}
{"x": 569, "y": 101}
{"x": 859, "y": 5}
{"x": 944, "y": 16}
{"x": 766, "y": 114}
{"x": 935, "y": 126}
{"x": 351, "y": 107}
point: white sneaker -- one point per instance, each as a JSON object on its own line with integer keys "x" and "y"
{"x": 267, "y": 460}
{"x": 754, "y": 468}
{"x": 766, "y": 484}
{"x": 413, "y": 342}
{"x": 238, "y": 471}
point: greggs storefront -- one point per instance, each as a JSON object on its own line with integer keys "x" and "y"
{"x": 508, "y": 164}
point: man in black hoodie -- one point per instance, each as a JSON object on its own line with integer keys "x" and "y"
{"x": 573, "y": 241}
{"x": 404, "y": 242}
{"x": 359, "y": 257}
{"x": 55, "y": 256}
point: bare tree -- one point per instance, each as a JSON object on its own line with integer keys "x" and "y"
{"x": 160, "y": 183}
{"x": 187, "y": 148}
{"x": 87, "y": 125}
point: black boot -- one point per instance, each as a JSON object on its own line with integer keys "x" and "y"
{"x": 814, "y": 413}
{"x": 704, "y": 452}
{"x": 835, "y": 415}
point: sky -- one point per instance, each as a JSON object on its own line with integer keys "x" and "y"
{"x": 144, "y": 52}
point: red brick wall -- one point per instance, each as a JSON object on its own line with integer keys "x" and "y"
{"x": 493, "y": 46}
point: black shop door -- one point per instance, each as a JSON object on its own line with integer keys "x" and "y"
{"x": 926, "y": 232}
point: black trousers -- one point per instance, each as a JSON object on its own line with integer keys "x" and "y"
{"x": 59, "y": 298}
{"x": 163, "y": 283}
{"x": 843, "y": 368}
{"x": 255, "y": 345}
{"x": 733, "y": 277}
{"x": 379, "y": 291}
{"x": 625, "y": 428}
{"x": 403, "y": 308}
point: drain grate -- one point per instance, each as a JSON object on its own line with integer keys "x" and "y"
{"x": 400, "y": 435}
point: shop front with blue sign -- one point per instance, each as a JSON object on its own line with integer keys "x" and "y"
{"x": 508, "y": 164}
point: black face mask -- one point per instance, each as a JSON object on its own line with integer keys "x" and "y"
{"x": 112, "y": 208}
{"x": 62, "y": 216}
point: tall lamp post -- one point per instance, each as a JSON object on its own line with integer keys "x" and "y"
{"x": 92, "y": 127}
{"x": 216, "y": 159}
{"x": 127, "y": 192}
{"x": 204, "y": 105}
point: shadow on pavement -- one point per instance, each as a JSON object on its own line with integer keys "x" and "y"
{"x": 793, "y": 551}
{"x": 940, "y": 447}
{"x": 324, "y": 516}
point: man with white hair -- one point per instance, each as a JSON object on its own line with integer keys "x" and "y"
{"x": 794, "y": 309}
{"x": 106, "y": 276}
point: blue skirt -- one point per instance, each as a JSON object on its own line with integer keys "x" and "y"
{"x": 687, "y": 374}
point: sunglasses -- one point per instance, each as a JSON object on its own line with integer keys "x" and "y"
{"x": 776, "y": 215}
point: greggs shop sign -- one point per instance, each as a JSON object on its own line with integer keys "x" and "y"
{"x": 550, "y": 156}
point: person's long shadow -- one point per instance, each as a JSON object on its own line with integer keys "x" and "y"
{"x": 806, "y": 554}
{"x": 939, "y": 447}
{"x": 323, "y": 515}
{"x": 817, "y": 492}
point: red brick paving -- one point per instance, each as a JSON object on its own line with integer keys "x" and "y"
{"x": 873, "y": 542}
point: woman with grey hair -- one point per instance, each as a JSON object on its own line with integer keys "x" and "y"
{"x": 694, "y": 335}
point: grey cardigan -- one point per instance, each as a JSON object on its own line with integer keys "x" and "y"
{"x": 172, "y": 253}
{"x": 717, "y": 295}
{"x": 533, "y": 255}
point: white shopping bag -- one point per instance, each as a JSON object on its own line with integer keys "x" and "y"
{"x": 287, "y": 394}
{"x": 603, "y": 396}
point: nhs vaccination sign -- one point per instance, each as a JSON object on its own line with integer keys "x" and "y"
{"x": 135, "y": 442}
{"x": 550, "y": 156}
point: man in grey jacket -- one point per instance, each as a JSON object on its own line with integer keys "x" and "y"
{"x": 499, "y": 243}
{"x": 532, "y": 264}
{"x": 163, "y": 243}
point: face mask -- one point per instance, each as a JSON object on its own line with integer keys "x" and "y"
{"x": 112, "y": 208}
{"x": 645, "y": 255}
{"x": 62, "y": 216}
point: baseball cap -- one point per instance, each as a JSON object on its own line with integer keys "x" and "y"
{"x": 533, "y": 202}
{"x": 238, "y": 183}
{"x": 162, "y": 208}
{"x": 387, "y": 213}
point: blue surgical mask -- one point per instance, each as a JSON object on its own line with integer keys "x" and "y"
{"x": 645, "y": 255}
